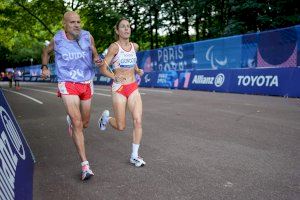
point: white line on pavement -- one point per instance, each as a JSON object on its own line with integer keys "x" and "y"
{"x": 108, "y": 90}
{"x": 101, "y": 94}
{"x": 96, "y": 93}
{"x": 96, "y": 89}
{"x": 154, "y": 90}
{"x": 26, "y": 88}
{"x": 24, "y": 95}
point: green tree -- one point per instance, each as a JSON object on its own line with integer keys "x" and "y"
{"x": 26, "y": 25}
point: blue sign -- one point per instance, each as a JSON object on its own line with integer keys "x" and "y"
{"x": 210, "y": 80}
{"x": 276, "y": 48}
{"x": 167, "y": 79}
{"x": 148, "y": 79}
{"x": 145, "y": 60}
{"x": 183, "y": 80}
{"x": 222, "y": 53}
{"x": 103, "y": 80}
{"x": 27, "y": 78}
{"x": 273, "y": 81}
{"x": 16, "y": 159}
{"x": 249, "y": 51}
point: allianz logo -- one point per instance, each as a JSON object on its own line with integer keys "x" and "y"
{"x": 262, "y": 80}
{"x": 217, "y": 80}
{"x": 73, "y": 56}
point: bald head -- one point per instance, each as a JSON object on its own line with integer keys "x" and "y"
{"x": 69, "y": 15}
{"x": 71, "y": 22}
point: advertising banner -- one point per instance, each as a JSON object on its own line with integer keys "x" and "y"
{"x": 272, "y": 81}
{"x": 167, "y": 79}
{"x": 148, "y": 79}
{"x": 266, "y": 81}
{"x": 210, "y": 80}
{"x": 16, "y": 159}
{"x": 103, "y": 80}
{"x": 275, "y": 48}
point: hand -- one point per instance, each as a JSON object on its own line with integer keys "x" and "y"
{"x": 140, "y": 72}
{"x": 98, "y": 62}
{"x": 45, "y": 73}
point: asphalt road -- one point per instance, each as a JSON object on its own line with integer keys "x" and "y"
{"x": 197, "y": 145}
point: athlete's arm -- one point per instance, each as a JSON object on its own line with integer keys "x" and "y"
{"x": 45, "y": 59}
{"x": 94, "y": 52}
{"x": 136, "y": 68}
{"x": 112, "y": 51}
{"x": 139, "y": 71}
{"x": 136, "y": 47}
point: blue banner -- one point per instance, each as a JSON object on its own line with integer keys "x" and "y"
{"x": 103, "y": 80}
{"x": 266, "y": 81}
{"x": 183, "y": 80}
{"x": 16, "y": 159}
{"x": 204, "y": 65}
{"x": 272, "y": 81}
{"x": 249, "y": 51}
{"x": 222, "y": 53}
{"x": 210, "y": 80}
{"x": 148, "y": 79}
{"x": 167, "y": 79}
{"x": 275, "y": 48}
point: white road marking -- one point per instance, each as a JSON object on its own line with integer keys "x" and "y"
{"x": 95, "y": 89}
{"x": 24, "y": 95}
{"x": 101, "y": 94}
{"x": 26, "y": 88}
{"x": 96, "y": 93}
{"x": 101, "y": 89}
{"x": 153, "y": 90}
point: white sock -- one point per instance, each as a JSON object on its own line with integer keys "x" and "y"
{"x": 85, "y": 163}
{"x": 135, "y": 150}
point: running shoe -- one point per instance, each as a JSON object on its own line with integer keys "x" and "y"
{"x": 102, "y": 122}
{"x": 138, "y": 162}
{"x": 70, "y": 127}
{"x": 86, "y": 173}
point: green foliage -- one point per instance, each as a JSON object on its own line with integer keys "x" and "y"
{"x": 25, "y": 25}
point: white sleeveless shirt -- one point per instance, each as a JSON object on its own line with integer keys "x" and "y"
{"x": 124, "y": 59}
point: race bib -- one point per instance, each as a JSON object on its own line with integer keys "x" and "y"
{"x": 62, "y": 88}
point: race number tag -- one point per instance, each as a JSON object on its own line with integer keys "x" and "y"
{"x": 62, "y": 88}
